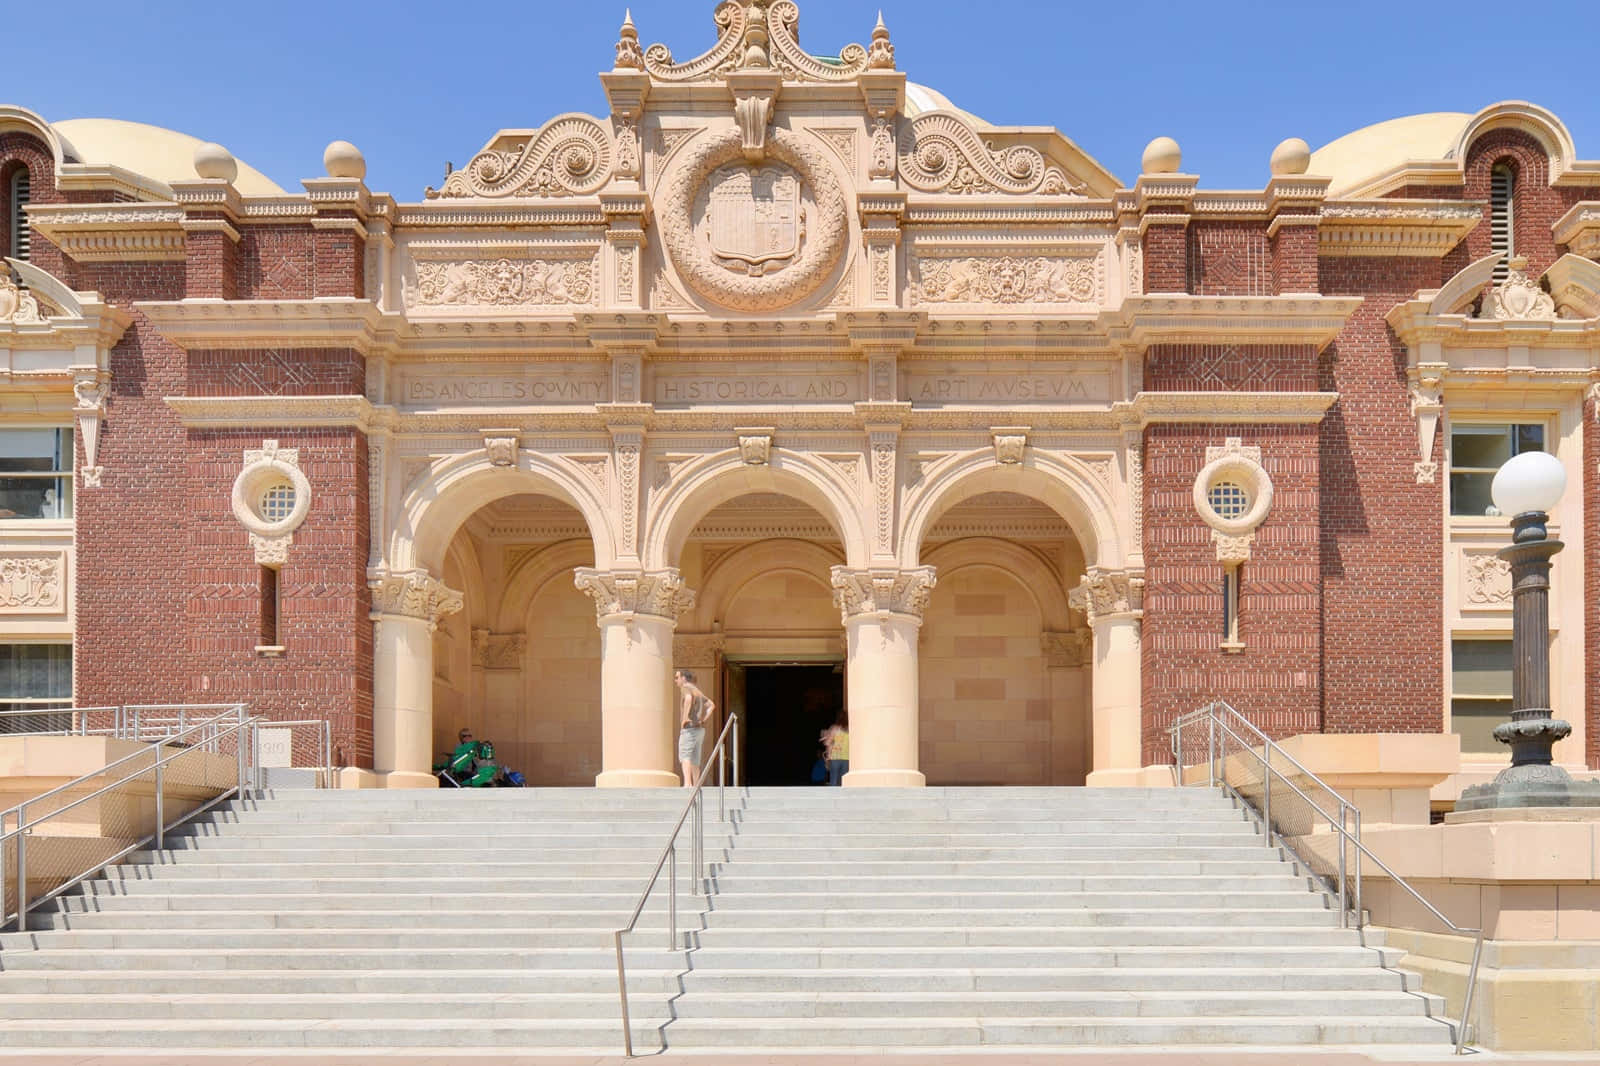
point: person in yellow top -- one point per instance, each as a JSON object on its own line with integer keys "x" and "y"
{"x": 836, "y": 740}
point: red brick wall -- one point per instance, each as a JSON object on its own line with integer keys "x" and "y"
{"x": 277, "y": 372}
{"x": 1275, "y": 680}
{"x": 1294, "y": 260}
{"x": 277, "y": 262}
{"x": 1229, "y": 259}
{"x": 341, "y": 263}
{"x": 1231, "y": 368}
{"x": 1382, "y": 533}
{"x": 326, "y": 671}
{"x": 1165, "y": 257}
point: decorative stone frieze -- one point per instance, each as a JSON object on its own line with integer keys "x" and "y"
{"x": 412, "y": 594}
{"x": 33, "y": 582}
{"x": 1071, "y": 280}
{"x": 697, "y": 650}
{"x": 1109, "y": 594}
{"x": 504, "y": 283}
{"x": 498, "y": 651}
{"x": 882, "y": 592}
{"x": 625, "y": 593}
{"x": 1074, "y": 648}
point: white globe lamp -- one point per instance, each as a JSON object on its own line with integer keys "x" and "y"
{"x": 1529, "y": 483}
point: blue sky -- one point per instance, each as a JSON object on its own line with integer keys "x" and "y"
{"x": 414, "y": 85}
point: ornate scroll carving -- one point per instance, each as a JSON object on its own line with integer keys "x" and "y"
{"x": 1519, "y": 297}
{"x": 783, "y": 25}
{"x": 820, "y": 233}
{"x": 656, "y": 593}
{"x": 503, "y": 283}
{"x": 32, "y": 583}
{"x": 942, "y": 153}
{"x": 724, "y": 56}
{"x": 571, "y": 156}
{"x": 1488, "y": 580}
{"x": 1006, "y": 280}
{"x": 412, "y": 594}
{"x": 1108, "y": 594}
{"x": 498, "y": 651}
{"x": 1065, "y": 650}
{"x": 17, "y": 306}
{"x": 882, "y": 592}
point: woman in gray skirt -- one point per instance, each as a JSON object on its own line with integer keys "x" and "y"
{"x": 694, "y": 710}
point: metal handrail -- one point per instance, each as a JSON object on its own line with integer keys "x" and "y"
{"x": 24, "y": 827}
{"x": 669, "y": 857}
{"x": 1265, "y": 750}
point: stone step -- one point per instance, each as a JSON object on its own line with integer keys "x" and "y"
{"x": 249, "y": 1005}
{"x": 755, "y": 1034}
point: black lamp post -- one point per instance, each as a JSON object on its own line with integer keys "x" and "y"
{"x": 1527, "y": 488}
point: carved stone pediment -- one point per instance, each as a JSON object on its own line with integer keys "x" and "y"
{"x": 941, "y": 152}
{"x": 571, "y": 155}
{"x": 1519, "y": 297}
{"x": 752, "y": 35}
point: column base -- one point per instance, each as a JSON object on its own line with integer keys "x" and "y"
{"x": 355, "y": 777}
{"x": 884, "y": 779}
{"x": 408, "y": 780}
{"x": 1147, "y": 777}
{"x": 637, "y": 779}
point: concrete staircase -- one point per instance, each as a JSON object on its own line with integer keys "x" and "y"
{"x": 845, "y": 919}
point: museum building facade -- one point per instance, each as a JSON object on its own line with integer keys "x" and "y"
{"x": 789, "y": 372}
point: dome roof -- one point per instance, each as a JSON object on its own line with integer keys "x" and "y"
{"x": 1377, "y": 149}
{"x": 920, "y": 99}
{"x": 160, "y": 154}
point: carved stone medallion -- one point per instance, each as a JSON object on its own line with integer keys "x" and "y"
{"x": 754, "y": 238}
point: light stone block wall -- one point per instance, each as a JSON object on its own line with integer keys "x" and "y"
{"x": 985, "y": 709}
{"x": 554, "y": 736}
{"x": 783, "y": 603}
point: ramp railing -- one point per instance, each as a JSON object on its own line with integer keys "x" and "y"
{"x": 1218, "y": 747}
{"x": 669, "y": 859}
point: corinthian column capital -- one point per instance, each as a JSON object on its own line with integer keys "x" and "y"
{"x": 882, "y": 591}
{"x": 412, "y": 594}
{"x": 629, "y": 593}
{"x": 1107, "y": 594}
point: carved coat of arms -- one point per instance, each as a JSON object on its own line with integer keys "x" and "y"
{"x": 755, "y": 218}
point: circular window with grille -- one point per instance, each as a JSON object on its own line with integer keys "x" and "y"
{"x": 277, "y": 503}
{"x": 1233, "y": 493}
{"x": 271, "y": 497}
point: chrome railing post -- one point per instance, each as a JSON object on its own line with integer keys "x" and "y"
{"x": 1466, "y": 1004}
{"x": 736, "y": 778}
{"x": 672, "y": 897}
{"x": 1361, "y": 922}
{"x": 622, "y": 989}
{"x": 1344, "y": 904}
{"x": 22, "y": 869}
{"x": 161, "y": 808}
{"x": 1266, "y": 798}
{"x": 1211, "y": 749}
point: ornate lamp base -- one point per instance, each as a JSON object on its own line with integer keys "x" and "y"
{"x": 1531, "y": 780}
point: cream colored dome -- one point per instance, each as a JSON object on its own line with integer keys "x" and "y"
{"x": 160, "y": 154}
{"x": 920, "y": 99}
{"x": 1377, "y": 149}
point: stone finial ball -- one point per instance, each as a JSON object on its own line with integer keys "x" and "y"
{"x": 215, "y": 161}
{"x": 344, "y": 160}
{"x": 1293, "y": 156}
{"x": 1161, "y": 156}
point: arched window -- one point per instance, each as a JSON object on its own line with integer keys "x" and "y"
{"x": 1502, "y": 189}
{"x": 16, "y": 199}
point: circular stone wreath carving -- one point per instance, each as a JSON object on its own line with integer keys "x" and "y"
{"x": 249, "y": 497}
{"x": 1244, "y": 473}
{"x": 826, "y": 236}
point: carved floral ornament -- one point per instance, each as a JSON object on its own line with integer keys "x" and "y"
{"x": 753, "y": 35}
{"x": 17, "y": 306}
{"x": 1005, "y": 279}
{"x": 626, "y": 593}
{"x": 1105, "y": 594}
{"x": 32, "y": 582}
{"x": 754, "y": 238}
{"x": 1488, "y": 580}
{"x": 271, "y": 498}
{"x": 1519, "y": 297}
{"x": 412, "y": 594}
{"x": 1233, "y": 494}
{"x": 872, "y": 592}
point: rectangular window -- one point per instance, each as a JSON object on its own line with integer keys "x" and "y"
{"x": 1480, "y": 692}
{"x": 36, "y": 473}
{"x": 1476, "y": 452}
{"x": 1230, "y": 609}
{"x": 269, "y": 607}
{"x": 33, "y": 679}
{"x": 21, "y": 193}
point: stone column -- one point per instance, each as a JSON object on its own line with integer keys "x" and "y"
{"x": 1113, "y": 601}
{"x": 637, "y": 612}
{"x": 406, "y": 607}
{"x": 882, "y": 612}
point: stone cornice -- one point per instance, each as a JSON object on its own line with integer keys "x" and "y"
{"x": 1409, "y": 228}
{"x": 70, "y": 320}
{"x": 238, "y": 324}
{"x": 112, "y": 232}
{"x": 233, "y": 412}
{"x": 1302, "y": 408}
{"x": 1415, "y": 325}
{"x": 1177, "y": 319}
{"x": 1579, "y": 228}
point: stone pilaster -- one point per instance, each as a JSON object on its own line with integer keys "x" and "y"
{"x": 1113, "y": 601}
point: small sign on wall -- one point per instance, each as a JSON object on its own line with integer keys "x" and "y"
{"x": 274, "y": 747}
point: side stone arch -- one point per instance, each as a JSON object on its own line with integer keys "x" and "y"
{"x": 1041, "y": 581}
{"x": 432, "y": 512}
{"x": 714, "y": 479}
{"x": 532, "y": 575}
{"x": 1060, "y": 483}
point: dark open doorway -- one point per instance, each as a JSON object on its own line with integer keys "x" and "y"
{"x": 786, "y": 708}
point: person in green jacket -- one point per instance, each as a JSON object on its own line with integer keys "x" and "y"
{"x": 472, "y": 763}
